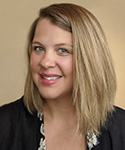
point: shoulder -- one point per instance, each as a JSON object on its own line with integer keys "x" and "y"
{"x": 116, "y": 125}
{"x": 119, "y": 112}
{"x": 17, "y": 126}
{"x": 14, "y": 112}
{"x": 113, "y": 135}
{"x": 12, "y": 115}
{"x": 117, "y": 120}
{"x": 9, "y": 114}
{"x": 11, "y": 110}
{"x": 11, "y": 105}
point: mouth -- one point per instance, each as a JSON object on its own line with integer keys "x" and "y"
{"x": 49, "y": 79}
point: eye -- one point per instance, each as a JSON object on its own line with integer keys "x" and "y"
{"x": 62, "y": 51}
{"x": 38, "y": 48}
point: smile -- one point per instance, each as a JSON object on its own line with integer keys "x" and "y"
{"x": 51, "y": 78}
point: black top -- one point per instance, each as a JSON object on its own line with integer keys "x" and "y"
{"x": 19, "y": 130}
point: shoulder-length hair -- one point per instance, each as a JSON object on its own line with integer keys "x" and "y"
{"x": 94, "y": 80}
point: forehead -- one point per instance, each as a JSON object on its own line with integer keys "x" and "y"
{"x": 46, "y": 30}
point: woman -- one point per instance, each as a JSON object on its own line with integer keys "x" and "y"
{"x": 70, "y": 88}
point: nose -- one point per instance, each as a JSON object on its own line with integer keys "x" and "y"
{"x": 48, "y": 60}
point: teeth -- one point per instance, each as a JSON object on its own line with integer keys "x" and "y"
{"x": 51, "y": 78}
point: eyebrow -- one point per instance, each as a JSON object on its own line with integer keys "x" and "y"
{"x": 59, "y": 44}
{"x": 35, "y": 42}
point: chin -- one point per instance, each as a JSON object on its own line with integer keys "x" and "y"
{"x": 48, "y": 96}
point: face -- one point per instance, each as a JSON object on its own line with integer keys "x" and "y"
{"x": 52, "y": 61}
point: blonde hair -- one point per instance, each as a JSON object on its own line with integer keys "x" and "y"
{"x": 94, "y": 81}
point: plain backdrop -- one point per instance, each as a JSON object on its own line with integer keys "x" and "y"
{"x": 16, "y": 16}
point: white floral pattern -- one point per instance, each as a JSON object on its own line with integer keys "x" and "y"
{"x": 92, "y": 139}
{"x": 42, "y": 144}
{"x": 42, "y": 140}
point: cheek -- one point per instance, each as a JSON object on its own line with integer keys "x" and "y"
{"x": 34, "y": 63}
{"x": 68, "y": 67}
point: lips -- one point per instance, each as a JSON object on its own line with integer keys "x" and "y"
{"x": 49, "y": 79}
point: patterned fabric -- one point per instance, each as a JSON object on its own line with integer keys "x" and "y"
{"x": 17, "y": 125}
{"x": 42, "y": 140}
{"x": 91, "y": 138}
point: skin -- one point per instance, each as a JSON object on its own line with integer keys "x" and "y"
{"x": 52, "y": 55}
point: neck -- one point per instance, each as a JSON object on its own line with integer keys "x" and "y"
{"x": 62, "y": 112}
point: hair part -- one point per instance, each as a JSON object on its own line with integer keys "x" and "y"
{"x": 94, "y": 80}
